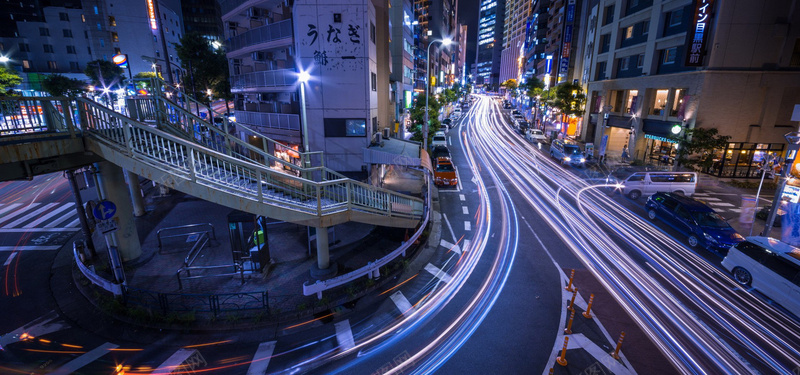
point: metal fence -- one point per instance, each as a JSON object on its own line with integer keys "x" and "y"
{"x": 284, "y": 121}
{"x": 263, "y": 34}
{"x": 215, "y": 304}
{"x": 267, "y": 78}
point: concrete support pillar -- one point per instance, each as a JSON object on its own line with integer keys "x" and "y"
{"x": 136, "y": 193}
{"x": 323, "y": 255}
{"x": 114, "y": 190}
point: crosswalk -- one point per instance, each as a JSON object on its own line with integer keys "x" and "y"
{"x": 720, "y": 206}
{"x": 47, "y": 217}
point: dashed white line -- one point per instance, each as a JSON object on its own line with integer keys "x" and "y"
{"x": 85, "y": 359}
{"x": 441, "y": 275}
{"x": 465, "y": 210}
{"x": 344, "y": 335}
{"x": 462, "y": 197}
{"x": 721, "y": 204}
{"x": 467, "y": 225}
{"x": 447, "y": 245}
{"x": 401, "y": 302}
{"x": 10, "y": 258}
{"x": 453, "y": 234}
{"x": 258, "y": 366}
{"x": 466, "y": 245}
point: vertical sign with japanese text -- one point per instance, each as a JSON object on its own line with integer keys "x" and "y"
{"x": 697, "y": 35}
{"x": 151, "y": 14}
{"x": 566, "y": 43}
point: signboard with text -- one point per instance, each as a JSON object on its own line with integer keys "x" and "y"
{"x": 697, "y": 36}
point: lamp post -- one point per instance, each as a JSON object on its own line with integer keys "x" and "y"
{"x": 4, "y": 59}
{"x": 793, "y": 138}
{"x": 445, "y": 42}
{"x": 303, "y": 77}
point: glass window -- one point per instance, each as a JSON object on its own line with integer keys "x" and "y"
{"x": 783, "y": 267}
{"x": 628, "y": 32}
{"x": 683, "y": 213}
{"x": 709, "y": 219}
{"x": 675, "y": 17}
{"x": 356, "y": 128}
{"x": 609, "y": 15}
{"x": 52, "y": 65}
{"x": 63, "y": 16}
{"x": 67, "y": 33}
{"x": 623, "y": 63}
{"x": 372, "y": 32}
{"x": 43, "y": 31}
{"x": 444, "y": 167}
{"x": 752, "y": 250}
{"x": 26, "y": 64}
{"x": 640, "y": 61}
{"x": 677, "y": 101}
{"x": 670, "y": 204}
{"x": 71, "y": 50}
{"x": 73, "y": 65}
{"x": 48, "y": 48}
{"x": 669, "y": 55}
{"x": 645, "y": 27}
{"x": 660, "y": 178}
{"x": 112, "y": 21}
{"x": 374, "y": 79}
{"x": 605, "y": 43}
{"x": 640, "y": 177}
{"x": 630, "y": 106}
{"x": 660, "y": 101}
{"x": 114, "y": 36}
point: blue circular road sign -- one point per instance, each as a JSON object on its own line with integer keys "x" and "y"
{"x": 104, "y": 210}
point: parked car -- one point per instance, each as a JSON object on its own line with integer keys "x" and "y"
{"x": 457, "y": 112}
{"x": 440, "y": 152}
{"x": 768, "y": 265}
{"x": 536, "y": 136}
{"x": 702, "y": 226}
{"x": 567, "y": 153}
{"x": 444, "y": 173}
{"x": 646, "y": 183}
{"x": 516, "y": 112}
{"x": 763, "y": 214}
{"x": 448, "y": 123}
{"x": 439, "y": 139}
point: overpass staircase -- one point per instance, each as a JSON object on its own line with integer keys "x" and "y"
{"x": 162, "y": 140}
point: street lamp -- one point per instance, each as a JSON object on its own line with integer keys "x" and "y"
{"x": 445, "y": 42}
{"x": 303, "y": 77}
{"x": 4, "y": 59}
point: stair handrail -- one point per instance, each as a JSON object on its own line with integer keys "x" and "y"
{"x": 344, "y": 194}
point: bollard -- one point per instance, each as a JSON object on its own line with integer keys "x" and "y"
{"x": 572, "y": 301}
{"x": 568, "y": 330}
{"x": 588, "y": 313}
{"x": 615, "y": 354}
{"x": 571, "y": 276}
{"x": 551, "y": 371}
{"x": 562, "y": 359}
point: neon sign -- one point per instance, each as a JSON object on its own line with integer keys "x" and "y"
{"x": 151, "y": 12}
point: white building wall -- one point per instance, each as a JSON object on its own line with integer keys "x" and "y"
{"x": 340, "y": 69}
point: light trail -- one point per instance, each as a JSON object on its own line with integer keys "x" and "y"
{"x": 691, "y": 309}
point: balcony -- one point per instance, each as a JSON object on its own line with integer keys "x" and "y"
{"x": 281, "y": 78}
{"x": 228, "y": 6}
{"x": 264, "y": 34}
{"x": 282, "y": 121}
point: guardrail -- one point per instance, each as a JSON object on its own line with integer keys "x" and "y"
{"x": 237, "y": 269}
{"x": 372, "y": 269}
{"x": 179, "y": 227}
{"x": 264, "y": 78}
{"x": 263, "y": 34}
{"x": 96, "y": 279}
{"x": 203, "y": 303}
{"x": 33, "y": 114}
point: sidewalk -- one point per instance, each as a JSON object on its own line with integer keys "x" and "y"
{"x": 152, "y": 279}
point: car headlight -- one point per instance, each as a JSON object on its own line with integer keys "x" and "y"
{"x": 583, "y": 160}
{"x": 737, "y": 236}
{"x": 566, "y": 158}
{"x": 709, "y": 237}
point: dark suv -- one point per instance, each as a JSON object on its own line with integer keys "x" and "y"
{"x": 699, "y": 222}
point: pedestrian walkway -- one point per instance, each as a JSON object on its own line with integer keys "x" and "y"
{"x": 33, "y": 217}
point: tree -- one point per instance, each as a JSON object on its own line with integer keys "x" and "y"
{"x": 143, "y": 75}
{"x": 418, "y": 118}
{"x": 511, "y": 85}
{"x": 59, "y": 85}
{"x": 204, "y": 65}
{"x": 696, "y": 147}
{"x": 8, "y": 79}
{"x": 532, "y": 87}
{"x": 568, "y": 98}
{"x": 449, "y": 96}
{"x": 105, "y": 74}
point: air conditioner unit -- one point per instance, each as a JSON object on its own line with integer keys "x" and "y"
{"x": 378, "y": 138}
{"x": 386, "y": 133}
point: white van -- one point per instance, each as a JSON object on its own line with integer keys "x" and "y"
{"x": 648, "y": 183}
{"x": 769, "y": 265}
{"x": 457, "y": 112}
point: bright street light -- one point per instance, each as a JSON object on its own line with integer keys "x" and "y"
{"x": 303, "y": 77}
{"x": 4, "y": 59}
{"x": 445, "y": 42}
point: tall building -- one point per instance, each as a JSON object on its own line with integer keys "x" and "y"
{"x": 516, "y": 22}
{"x": 402, "y": 50}
{"x": 490, "y": 39}
{"x": 269, "y": 43}
{"x": 67, "y": 38}
{"x": 436, "y": 21}
{"x": 657, "y": 68}
{"x": 535, "y": 61}
{"x": 461, "y": 56}
{"x": 203, "y": 17}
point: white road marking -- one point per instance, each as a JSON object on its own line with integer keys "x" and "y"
{"x": 462, "y": 197}
{"x": 85, "y": 359}
{"x": 466, "y": 245}
{"x": 177, "y": 359}
{"x": 10, "y": 258}
{"x": 40, "y": 326}
{"x": 467, "y": 226}
{"x": 73, "y": 223}
{"x": 30, "y": 215}
{"x": 458, "y": 177}
{"x": 401, "y": 302}
{"x": 9, "y": 207}
{"x": 20, "y": 212}
{"x": 705, "y": 198}
{"x": 737, "y": 210}
{"x": 721, "y": 204}
{"x": 447, "y": 245}
{"x": 465, "y": 210}
{"x": 26, "y": 230}
{"x": 441, "y": 275}
{"x": 258, "y": 366}
{"x": 60, "y": 219}
{"x": 344, "y": 335}
{"x": 453, "y": 234}
{"x": 20, "y": 248}
{"x": 49, "y": 215}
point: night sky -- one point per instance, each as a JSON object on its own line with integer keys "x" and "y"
{"x": 468, "y": 14}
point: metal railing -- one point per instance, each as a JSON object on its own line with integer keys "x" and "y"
{"x": 266, "y": 78}
{"x": 196, "y": 249}
{"x": 263, "y": 34}
{"x": 285, "y": 121}
{"x": 197, "y": 164}
{"x": 372, "y": 269}
{"x": 27, "y": 115}
{"x": 237, "y": 270}
{"x": 160, "y": 237}
{"x": 202, "y": 303}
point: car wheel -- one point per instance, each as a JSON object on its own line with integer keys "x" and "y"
{"x": 742, "y": 276}
{"x": 634, "y": 194}
{"x": 693, "y": 240}
{"x": 651, "y": 214}
{"x": 679, "y": 192}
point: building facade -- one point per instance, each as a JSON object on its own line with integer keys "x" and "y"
{"x": 402, "y": 51}
{"x": 517, "y": 17}
{"x": 203, "y": 17}
{"x": 490, "y": 39}
{"x": 660, "y": 67}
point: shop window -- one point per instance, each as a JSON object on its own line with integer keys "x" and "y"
{"x": 677, "y": 102}
{"x": 659, "y": 102}
{"x": 630, "y": 102}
